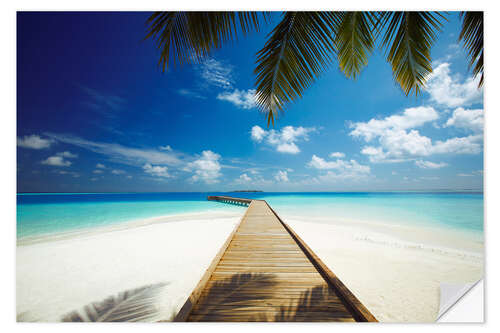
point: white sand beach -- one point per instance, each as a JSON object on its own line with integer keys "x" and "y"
{"x": 55, "y": 277}
{"x": 394, "y": 271}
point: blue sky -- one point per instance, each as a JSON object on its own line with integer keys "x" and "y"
{"x": 96, "y": 114}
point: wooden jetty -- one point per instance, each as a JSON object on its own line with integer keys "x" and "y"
{"x": 265, "y": 272}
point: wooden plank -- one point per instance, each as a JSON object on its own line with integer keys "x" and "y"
{"x": 193, "y": 298}
{"x": 266, "y": 273}
{"x": 361, "y": 311}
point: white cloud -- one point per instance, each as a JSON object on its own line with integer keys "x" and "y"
{"x": 451, "y": 91}
{"x": 343, "y": 169}
{"x": 34, "y": 142}
{"x": 244, "y": 178}
{"x": 121, "y": 154}
{"x": 471, "y": 144}
{"x": 430, "y": 165}
{"x": 243, "y": 99}
{"x": 258, "y": 133}
{"x": 157, "y": 171}
{"x": 56, "y": 161}
{"x": 281, "y": 176}
{"x": 410, "y": 118}
{"x": 166, "y": 148}
{"x": 398, "y": 142}
{"x": 206, "y": 168}
{"x": 97, "y": 171}
{"x": 100, "y": 166}
{"x": 468, "y": 119}
{"x": 337, "y": 155}
{"x": 71, "y": 173}
{"x": 67, "y": 154}
{"x": 216, "y": 73}
{"x": 289, "y": 148}
{"x": 283, "y": 141}
{"x": 118, "y": 172}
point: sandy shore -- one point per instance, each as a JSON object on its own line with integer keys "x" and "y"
{"x": 58, "y": 276}
{"x": 395, "y": 271}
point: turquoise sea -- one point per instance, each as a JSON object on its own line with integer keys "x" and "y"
{"x": 46, "y": 213}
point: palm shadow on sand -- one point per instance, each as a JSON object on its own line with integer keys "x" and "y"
{"x": 139, "y": 304}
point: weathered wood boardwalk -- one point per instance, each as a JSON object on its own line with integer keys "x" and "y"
{"x": 265, "y": 272}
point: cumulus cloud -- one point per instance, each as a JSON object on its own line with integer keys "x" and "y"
{"x": 34, "y": 142}
{"x": 157, "y": 171}
{"x": 410, "y": 118}
{"x": 243, "y": 99}
{"x": 258, "y": 133}
{"x": 59, "y": 159}
{"x": 451, "y": 91}
{"x": 429, "y": 165}
{"x": 343, "y": 169}
{"x": 244, "y": 178}
{"x": 337, "y": 155}
{"x": 100, "y": 166}
{"x": 56, "y": 161}
{"x": 283, "y": 141}
{"x": 472, "y": 120}
{"x": 281, "y": 176}
{"x": 118, "y": 172}
{"x": 206, "y": 168}
{"x": 97, "y": 171}
{"x": 398, "y": 141}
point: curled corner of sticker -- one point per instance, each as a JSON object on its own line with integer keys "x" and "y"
{"x": 451, "y": 293}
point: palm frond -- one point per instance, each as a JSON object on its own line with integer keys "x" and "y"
{"x": 354, "y": 40}
{"x": 186, "y": 37}
{"x": 409, "y": 37}
{"x": 132, "y": 305}
{"x": 298, "y": 49}
{"x": 472, "y": 37}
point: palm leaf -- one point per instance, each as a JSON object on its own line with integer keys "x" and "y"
{"x": 298, "y": 49}
{"x": 186, "y": 37}
{"x": 132, "y": 305}
{"x": 354, "y": 40}
{"x": 472, "y": 37}
{"x": 408, "y": 38}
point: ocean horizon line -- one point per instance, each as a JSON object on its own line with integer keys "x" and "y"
{"x": 471, "y": 191}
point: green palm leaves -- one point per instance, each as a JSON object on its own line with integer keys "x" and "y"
{"x": 303, "y": 45}
{"x": 355, "y": 41}
{"x": 187, "y": 37}
{"x": 297, "y": 51}
{"x": 472, "y": 37}
{"x": 409, "y": 37}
